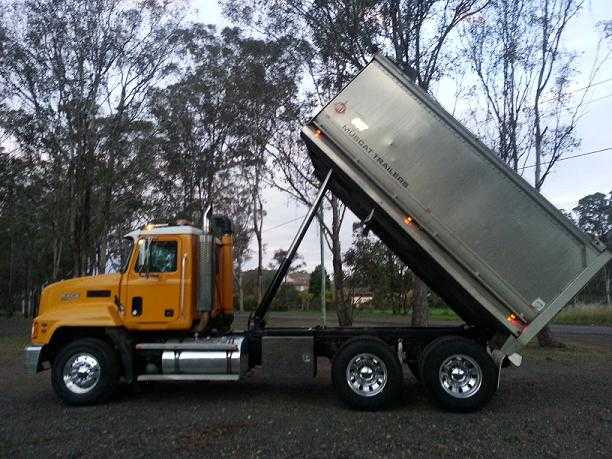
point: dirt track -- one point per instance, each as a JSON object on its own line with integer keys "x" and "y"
{"x": 558, "y": 403}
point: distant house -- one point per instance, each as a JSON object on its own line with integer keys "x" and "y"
{"x": 360, "y": 298}
{"x": 299, "y": 280}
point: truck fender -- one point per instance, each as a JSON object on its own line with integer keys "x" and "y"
{"x": 121, "y": 340}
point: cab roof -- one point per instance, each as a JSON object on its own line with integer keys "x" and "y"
{"x": 159, "y": 230}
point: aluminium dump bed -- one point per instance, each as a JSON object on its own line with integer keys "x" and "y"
{"x": 499, "y": 253}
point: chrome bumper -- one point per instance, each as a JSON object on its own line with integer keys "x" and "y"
{"x": 32, "y": 359}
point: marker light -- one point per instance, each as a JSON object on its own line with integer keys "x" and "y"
{"x": 516, "y": 321}
{"x": 34, "y": 332}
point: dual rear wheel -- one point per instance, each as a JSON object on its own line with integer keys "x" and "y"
{"x": 458, "y": 373}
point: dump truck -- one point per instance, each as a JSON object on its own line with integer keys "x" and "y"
{"x": 481, "y": 237}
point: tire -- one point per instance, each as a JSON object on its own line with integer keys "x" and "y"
{"x": 425, "y": 352}
{"x": 366, "y": 374}
{"x": 460, "y": 375}
{"x": 85, "y": 372}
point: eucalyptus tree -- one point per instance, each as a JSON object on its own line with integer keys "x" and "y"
{"x": 375, "y": 268}
{"x": 526, "y": 75}
{"x": 214, "y": 122}
{"x": 594, "y": 213}
{"x": 341, "y": 36}
{"x": 267, "y": 78}
{"x": 75, "y": 74}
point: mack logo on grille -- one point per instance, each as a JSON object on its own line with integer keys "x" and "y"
{"x": 340, "y": 107}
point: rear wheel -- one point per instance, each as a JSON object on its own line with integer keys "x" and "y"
{"x": 459, "y": 373}
{"x": 85, "y": 372}
{"x": 367, "y": 374}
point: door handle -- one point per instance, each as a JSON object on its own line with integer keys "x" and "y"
{"x": 136, "y": 306}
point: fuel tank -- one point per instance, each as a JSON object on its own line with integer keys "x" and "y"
{"x": 221, "y": 356}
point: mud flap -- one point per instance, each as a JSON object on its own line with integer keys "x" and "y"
{"x": 122, "y": 343}
{"x": 498, "y": 357}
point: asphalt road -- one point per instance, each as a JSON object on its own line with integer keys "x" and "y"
{"x": 557, "y": 404}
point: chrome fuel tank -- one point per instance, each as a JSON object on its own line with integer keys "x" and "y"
{"x": 214, "y": 356}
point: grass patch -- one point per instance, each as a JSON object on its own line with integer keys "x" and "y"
{"x": 436, "y": 314}
{"x": 576, "y": 315}
{"x": 585, "y": 315}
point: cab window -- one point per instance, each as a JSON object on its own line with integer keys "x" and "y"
{"x": 161, "y": 257}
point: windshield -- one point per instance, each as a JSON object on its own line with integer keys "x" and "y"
{"x": 127, "y": 244}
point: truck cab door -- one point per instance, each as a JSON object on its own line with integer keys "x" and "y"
{"x": 153, "y": 284}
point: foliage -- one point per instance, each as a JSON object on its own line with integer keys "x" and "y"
{"x": 585, "y": 315}
{"x": 74, "y": 77}
{"x": 314, "y": 286}
{"x": 594, "y": 213}
{"x": 279, "y": 257}
{"x": 336, "y": 39}
{"x": 114, "y": 113}
{"x": 375, "y": 268}
{"x": 525, "y": 78}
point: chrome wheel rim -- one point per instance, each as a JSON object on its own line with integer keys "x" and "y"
{"x": 366, "y": 375}
{"x": 460, "y": 376}
{"x": 81, "y": 373}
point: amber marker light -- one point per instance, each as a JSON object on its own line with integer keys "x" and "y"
{"x": 34, "y": 332}
{"x": 516, "y": 321}
{"x": 317, "y": 133}
{"x": 408, "y": 220}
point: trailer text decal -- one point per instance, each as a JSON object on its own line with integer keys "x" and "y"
{"x": 375, "y": 156}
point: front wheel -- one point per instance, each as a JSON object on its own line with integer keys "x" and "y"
{"x": 85, "y": 372}
{"x": 459, "y": 373}
{"x": 366, "y": 374}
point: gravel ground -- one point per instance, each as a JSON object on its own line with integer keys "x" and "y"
{"x": 557, "y": 404}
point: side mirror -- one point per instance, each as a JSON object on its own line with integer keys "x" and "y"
{"x": 143, "y": 252}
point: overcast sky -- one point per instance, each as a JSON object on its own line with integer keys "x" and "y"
{"x": 569, "y": 181}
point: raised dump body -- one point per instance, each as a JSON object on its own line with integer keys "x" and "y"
{"x": 497, "y": 251}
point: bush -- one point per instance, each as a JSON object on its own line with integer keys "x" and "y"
{"x": 585, "y": 315}
{"x": 250, "y": 303}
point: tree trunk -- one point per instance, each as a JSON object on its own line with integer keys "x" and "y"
{"x": 420, "y": 311}
{"x": 240, "y": 290}
{"x": 344, "y": 309}
{"x": 102, "y": 250}
{"x": 58, "y": 245}
{"x": 607, "y": 284}
{"x": 10, "y": 305}
{"x": 547, "y": 339}
{"x": 257, "y": 219}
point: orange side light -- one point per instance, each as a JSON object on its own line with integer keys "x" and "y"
{"x": 517, "y": 322}
{"x": 317, "y": 133}
{"x": 408, "y": 220}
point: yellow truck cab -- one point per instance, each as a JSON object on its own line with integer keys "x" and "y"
{"x": 173, "y": 274}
